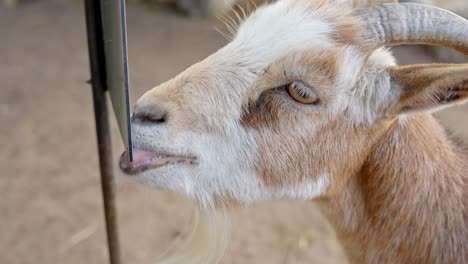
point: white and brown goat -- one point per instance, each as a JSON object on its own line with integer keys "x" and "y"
{"x": 305, "y": 104}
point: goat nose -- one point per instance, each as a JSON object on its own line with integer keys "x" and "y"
{"x": 149, "y": 115}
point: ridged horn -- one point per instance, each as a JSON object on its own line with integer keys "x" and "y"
{"x": 409, "y": 23}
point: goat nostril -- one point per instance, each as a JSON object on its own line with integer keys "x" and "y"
{"x": 154, "y": 116}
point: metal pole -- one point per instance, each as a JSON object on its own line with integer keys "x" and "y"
{"x": 99, "y": 88}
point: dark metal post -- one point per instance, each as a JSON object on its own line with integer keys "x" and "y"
{"x": 99, "y": 87}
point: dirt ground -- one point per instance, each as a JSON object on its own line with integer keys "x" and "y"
{"x": 50, "y": 203}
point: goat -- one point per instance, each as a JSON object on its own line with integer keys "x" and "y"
{"x": 305, "y": 103}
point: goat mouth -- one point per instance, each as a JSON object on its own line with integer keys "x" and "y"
{"x": 146, "y": 160}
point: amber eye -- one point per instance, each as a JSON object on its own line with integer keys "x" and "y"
{"x": 301, "y": 93}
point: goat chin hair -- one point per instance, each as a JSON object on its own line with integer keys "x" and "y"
{"x": 207, "y": 241}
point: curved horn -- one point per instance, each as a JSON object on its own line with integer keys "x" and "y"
{"x": 394, "y": 24}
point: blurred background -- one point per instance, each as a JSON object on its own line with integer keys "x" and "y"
{"x": 50, "y": 200}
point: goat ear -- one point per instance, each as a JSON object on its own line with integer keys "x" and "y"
{"x": 429, "y": 87}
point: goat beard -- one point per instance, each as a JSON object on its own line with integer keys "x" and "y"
{"x": 207, "y": 241}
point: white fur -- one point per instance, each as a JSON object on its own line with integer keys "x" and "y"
{"x": 224, "y": 166}
{"x": 307, "y": 190}
{"x": 373, "y": 92}
{"x": 351, "y": 64}
{"x": 207, "y": 242}
{"x": 274, "y": 32}
{"x": 382, "y": 57}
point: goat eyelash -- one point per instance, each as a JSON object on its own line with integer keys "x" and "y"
{"x": 302, "y": 93}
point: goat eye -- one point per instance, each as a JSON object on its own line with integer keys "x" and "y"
{"x": 302, "y": 93}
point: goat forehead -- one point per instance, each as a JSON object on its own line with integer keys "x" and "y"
{"x": 277, "y": 30}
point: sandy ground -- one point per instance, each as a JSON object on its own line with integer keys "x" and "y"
{"x": 50, "y": 203}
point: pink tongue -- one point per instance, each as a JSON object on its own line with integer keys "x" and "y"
{"x": 140, "y": 156}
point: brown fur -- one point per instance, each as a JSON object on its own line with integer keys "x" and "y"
{"x": 294, "y": 158}
{"x": 264, "y": 110}
{"x": 407, "y": 204}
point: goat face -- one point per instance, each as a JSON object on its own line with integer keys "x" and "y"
{"x": 288, "y": 110}
{"x": 263, "y": 118}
